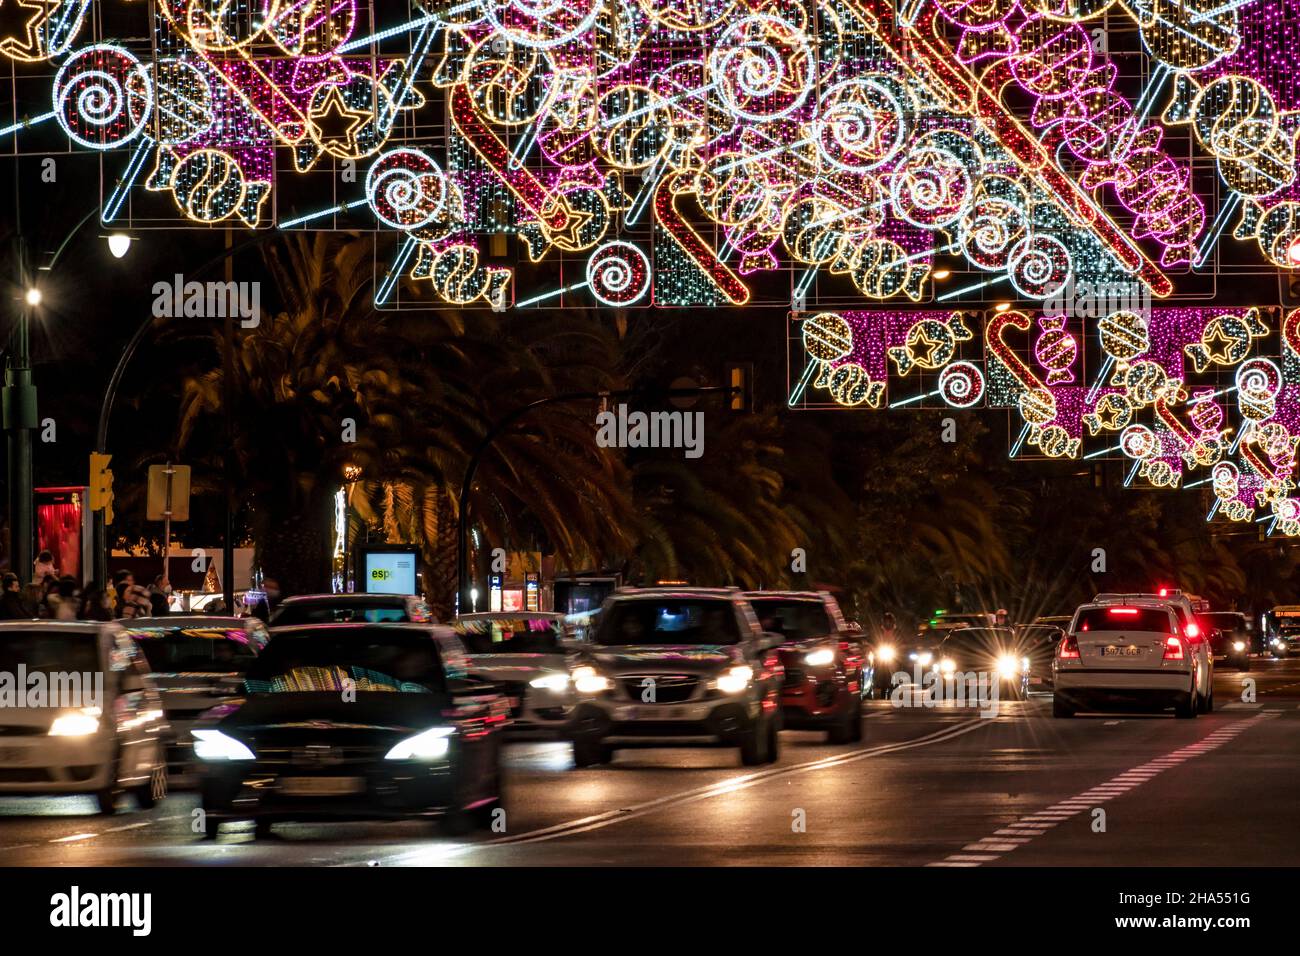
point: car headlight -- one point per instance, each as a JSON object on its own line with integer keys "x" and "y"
{"x": 588, "y": 680}
{"x": 431, "y": 744}
{"x": 947, "y": 665}
{"x": 83, "y": 723}
{"x": 552, "y": 682}
{"x": 735, "y": 679}
{"x": 923, "y": 658}
{"x": 214, "y": 745}
{"x": 1024, "y": 664}
{"x": 1008, "y": 666}
{"x": 819, "y": 658}
{"x": 1238, "y": 645}
{"x": 886, "y": 653}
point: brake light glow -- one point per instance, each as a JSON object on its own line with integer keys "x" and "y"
{"x": 1173, "y": 649}
{"x": 1193, "y": 629}
{"x": 1069, "y": 648}
{"x": 1126, "y": 611}
{"x": 1164, "y": 592}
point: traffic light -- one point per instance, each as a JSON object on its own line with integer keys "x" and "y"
{"x": 101, "y": 485}
{"x": 739, "y": 377}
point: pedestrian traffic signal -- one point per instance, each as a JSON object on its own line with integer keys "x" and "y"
{"x": 101, "y": 485}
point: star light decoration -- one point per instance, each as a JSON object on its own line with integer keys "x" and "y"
{"x": 686, "y": 152}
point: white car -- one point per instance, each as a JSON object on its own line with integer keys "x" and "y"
{"x": 1133, "y": 648}
{"x": 525, "y": 654}
{"x": 79, "y": 714}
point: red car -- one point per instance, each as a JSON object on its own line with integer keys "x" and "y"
{"x": 827, "y": 669}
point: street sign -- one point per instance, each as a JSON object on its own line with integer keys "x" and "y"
{"x": 169, "y": 493}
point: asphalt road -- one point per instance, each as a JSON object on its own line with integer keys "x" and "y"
{"x": 940, "y": 787}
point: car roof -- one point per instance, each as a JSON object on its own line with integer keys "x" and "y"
{"x": 800, "y": 595}
{"x": 45, "y": 624}
{"x": 1150, "y": 603}
{"x": 687, "y": 593}
{"x": 194, "y": 620}
{"x": 510, "y": 615}
{"x": 363, "y": 596}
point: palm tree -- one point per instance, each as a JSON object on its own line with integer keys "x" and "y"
{"x": 405, "y": 397}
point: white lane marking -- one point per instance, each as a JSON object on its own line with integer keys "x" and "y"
{"x": 73, "y": 838}
{"x": 129, "y": 826}
{"x": 1026, "y": 825}
{"x": 743, "y": 782}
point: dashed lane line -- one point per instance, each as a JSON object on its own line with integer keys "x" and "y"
{"x": 1028, "y": 827}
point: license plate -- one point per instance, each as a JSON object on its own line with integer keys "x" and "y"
{"x": 13, "y": 755}
{"x": 1113, "y": 651}
{"x": 322, "y": 786}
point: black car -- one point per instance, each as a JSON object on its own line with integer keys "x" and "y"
{"x": 197, "y": 662}
{"x": 355, "y": 721}
{"x": 1231, "y": 635}
{"x": 1002, "y": 653}
{"x": 905, "y": 659}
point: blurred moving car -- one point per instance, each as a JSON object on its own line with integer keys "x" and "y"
{"x": 527, "y": 656}
{"x": 196, "y": 662}
{"x": 1133, "y": 648}
{"x": 350, "y": 608}
{"x": 676, "y": 664}
{"x": 1286, "y": 636}
{"x": 98, "y": 728}
{"x": 1232, "y": 636}
{"x": 355, "y": 721}
{"x": 827, "y": 668}
{"x": 907, "y": 660}
{"x": 1020, "y": 657}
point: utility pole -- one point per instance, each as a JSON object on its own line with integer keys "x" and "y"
{"x": 228, "y": 460}
{"x": 19, "y": 414}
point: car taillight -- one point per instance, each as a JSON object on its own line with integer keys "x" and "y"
{"x": 1173, "y": 649}
{"x": 1069, "y": 648}
{"x": 1193, "y": 630}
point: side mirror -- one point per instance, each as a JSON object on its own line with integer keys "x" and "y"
{"x": 770, "y": 640}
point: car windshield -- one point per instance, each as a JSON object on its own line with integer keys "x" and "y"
{"x": 1127, "y": 619}
{"x": 521, "y": 635}
{"x": 195, "y": 649}
{"x": 668, "y": 621}
{"x": 338, "y": 612}
{"x": 363, "y": 659}
{"x": 1225, "y": 620}
{"x": 795, "y": 620}
{"x": 48, "y": 652}
{"x": 979, "y": 638}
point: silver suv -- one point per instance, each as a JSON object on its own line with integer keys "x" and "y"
{"x": 677, "y": 664}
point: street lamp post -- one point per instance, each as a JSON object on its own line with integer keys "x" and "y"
{"x": 19, "y": 414}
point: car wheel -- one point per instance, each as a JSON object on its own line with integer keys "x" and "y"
{"x": 211, "y": 826}
{"x": 154, "y": 790}
{"x": 1187, "y": 705}
{"x": 773, "y": 740}
{"x": 753, "y": 746}
{"x": 1207, "y": 703}
{"x": 1061, "y": 707}
{"x": 106, "y": 799}
{"x": 588, "y": 752}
